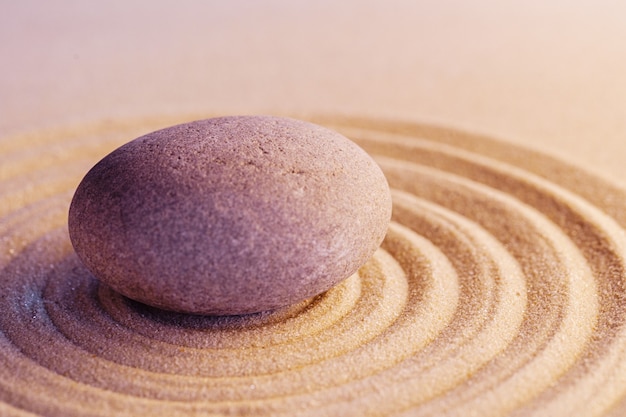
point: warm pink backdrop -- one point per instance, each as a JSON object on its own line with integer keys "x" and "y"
{"x": 548, "y": 74}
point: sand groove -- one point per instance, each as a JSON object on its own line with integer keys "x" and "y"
{"x": 500, "y": 290}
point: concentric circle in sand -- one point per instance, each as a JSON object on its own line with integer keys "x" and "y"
{"x": 499, "y": 290}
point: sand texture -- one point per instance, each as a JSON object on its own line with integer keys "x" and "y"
{"x": 499, "y": 290}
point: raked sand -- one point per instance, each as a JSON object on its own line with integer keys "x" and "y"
{"x": 499, "y": 290}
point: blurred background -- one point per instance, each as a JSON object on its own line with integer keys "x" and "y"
{"x": 550, "y": 75}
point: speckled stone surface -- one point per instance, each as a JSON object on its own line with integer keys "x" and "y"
{"x": 230, "y": 215}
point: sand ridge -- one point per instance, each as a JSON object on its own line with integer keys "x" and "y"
{"x": 499, "y": 290}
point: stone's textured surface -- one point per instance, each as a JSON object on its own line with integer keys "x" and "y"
{"x": 230, "y": 215}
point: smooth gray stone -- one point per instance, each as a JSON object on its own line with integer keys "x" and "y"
{"x": 230, "y": 215}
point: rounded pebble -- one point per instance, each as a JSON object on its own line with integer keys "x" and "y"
{"x": 230, "y": 215}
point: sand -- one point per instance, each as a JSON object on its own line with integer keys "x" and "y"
{"x": 498, "y": 291}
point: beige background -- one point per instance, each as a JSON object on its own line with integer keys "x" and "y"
{"x": 550, "y": 74}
